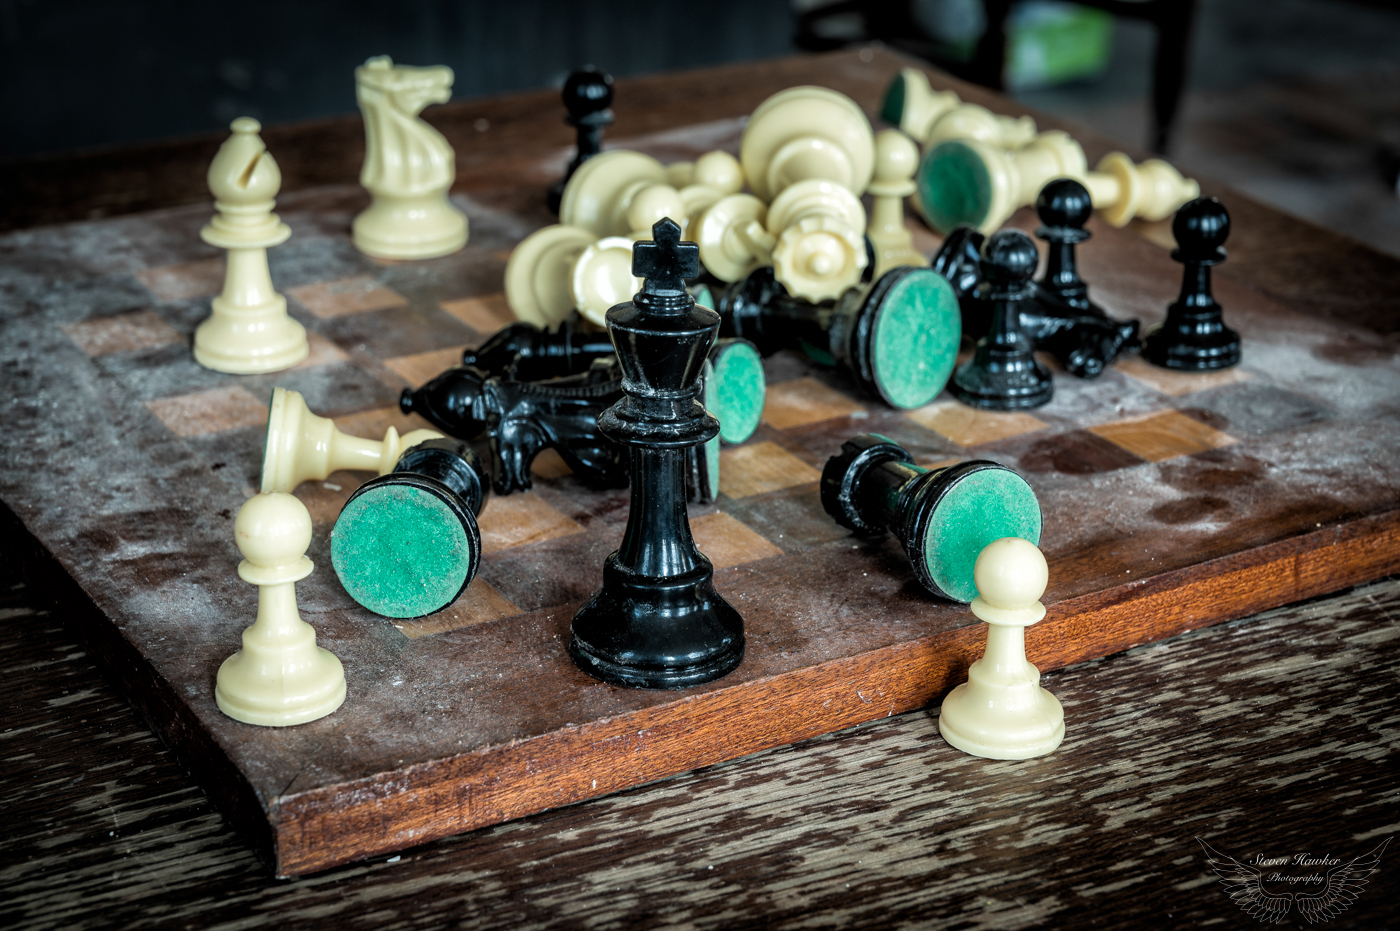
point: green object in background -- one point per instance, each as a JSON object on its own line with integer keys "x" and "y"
{"x": 1049, "y": 42}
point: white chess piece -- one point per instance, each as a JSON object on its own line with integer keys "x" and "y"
{"x": 1001, "y": 712}
{"x": 300, "y": 446}
{"x": 280, "y": 677}
{"x": 896, "y": 160}
{"x": 409, "y": 166}
{"x": 249, "y": 330}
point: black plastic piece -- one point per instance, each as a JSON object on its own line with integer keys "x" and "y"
{"x": 657, "y": 622}
{"x": 1003, "y": 373}
{"x": 1194, "y": 337}
{"x": 588, "y": 95}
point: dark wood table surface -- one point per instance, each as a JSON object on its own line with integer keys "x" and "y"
{"x": 1275, "y": 735}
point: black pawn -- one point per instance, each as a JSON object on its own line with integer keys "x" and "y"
{"x": 873, "y": 485}
{"x": 1194, "y": 337}
{"x": 1064, "y": 206}
{"x": 406, "y": 544}
{"x": 657, "y": 622}
{"x": 588, "y": 95}
{"x": 1003, "y": 374}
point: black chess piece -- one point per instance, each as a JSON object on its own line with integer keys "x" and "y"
{"x": 1003, "y": 373}
{"x": 657, "y": 621}
{"x": 959, "y": 260}
{"x": 406, "y": 544}
{"x": 897, "y": 337}
{"x": 522, "y": 419}
{"x": 1194, "y": 337}
{"x": 588, "y": 96}
{"x": 524, "y": 352}
{"x": 942, "y": 517}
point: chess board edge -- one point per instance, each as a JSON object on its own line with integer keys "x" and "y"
{"x": 306, "y": 831}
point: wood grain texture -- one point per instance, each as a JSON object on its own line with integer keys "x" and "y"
{"x": 1273, "y": 735}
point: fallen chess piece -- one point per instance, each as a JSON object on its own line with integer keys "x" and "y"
{"x": 406, "y": 544}
{"x": 1194, "y": 337}
{"x": 942, "y": 517}
{"x": 1001, "y": 712}
{"x": 280, "y": 677}
{"x": 931, "y": 117}
{"x": 588, "y": 96}
{"x": 249, "y": 330}
{"x": 409, "y": 165}
{"x": 898, "y": 337}
{"x": 657, "y": 622}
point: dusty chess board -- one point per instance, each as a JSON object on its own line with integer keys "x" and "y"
{"x": 1170, "y": 502}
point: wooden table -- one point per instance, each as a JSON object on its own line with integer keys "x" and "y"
{"x": 874, "y": 825}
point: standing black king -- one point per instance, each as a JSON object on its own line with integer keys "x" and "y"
{"x": 657, "y": 622}
{"x": 588, "y": 95}
{"x": 1194, "y": 337}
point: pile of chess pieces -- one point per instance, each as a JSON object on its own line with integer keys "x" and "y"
{"x": 644, "y": 315}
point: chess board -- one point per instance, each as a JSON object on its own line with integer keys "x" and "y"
{"x": 1171, "y": 502}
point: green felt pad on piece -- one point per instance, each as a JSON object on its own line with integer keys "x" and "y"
{"x": 892, "y": 108}
{"x": 954, "y": 186}
{"x": 984, "y": 506}
{"x": 916, "y": 339}
{"x": 740, "y": 386}
{"x": 401, "y": 551}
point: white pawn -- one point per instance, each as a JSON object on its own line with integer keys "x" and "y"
{"x": 896, "y": 160}
{"x": 1001, "y": 712}
{"x": 249, "y": 331}
{"x": 280, "y": 677}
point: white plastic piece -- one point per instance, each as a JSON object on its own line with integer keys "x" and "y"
{"x": 302, "y": 447}
{"x": 922, "y": 104}
{"x": 732, "y": 237}
{"x": 249, "y": 331}
{"x": 819, "y": 249}
{"x": 1001, "y": 712}
{"x": 539, "y": 273}
{"x": 409, "y": 166}
{"x": 280, "y": 677}
{"x": 896, "y": 160}
{"x": 602, "y": 277}
{"x": 601, "y": 190}
{"x": 806, "y": 133}
{"x": 969, "y": 121}
{"x": 1122, "y": 190}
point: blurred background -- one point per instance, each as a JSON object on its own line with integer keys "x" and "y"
{"x": 1296, "y": 102}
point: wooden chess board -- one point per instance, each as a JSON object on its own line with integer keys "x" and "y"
{"x": 1171, "y": 502}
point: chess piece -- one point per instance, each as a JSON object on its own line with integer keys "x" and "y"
{"x": 406, "y": 544}
{"x": 249, "y": 330}
{"x": 300, "y": 446}
{"x": 705, "y": 181}
{"x": 1194, "y": 337}
{"x": 898, "y": 337}
{"x": 1003, "y": 373}
{"x": 817, "y": 231}
{"x": 942, "y": 517}
{"x": 968, "y": 182}
{"x": 588, "y": 96}
{"x": 807, "y": 133}
{"x": 896, "y": 160}
{"x": 912, "y": 105}
{"x": 1001, "y": 712}
{"x": 600, "y": 193}
{"x": 280, "y": 677}
{"x": 409, "y": 166}
{"x": 931, "y": 117}
{"x": 539, "y": 278}
{"x": 733, "y": 237}
{"x": 657, "y": 621}
{"x": 970, "y": 121}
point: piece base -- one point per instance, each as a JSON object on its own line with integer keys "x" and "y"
{"x": 311, "y": 709}
{"x": 674, "y": 677}
{"x": 1157, "y": 350}
{"x": 280, "y": 355}
{"x": 442, "y": 231}
{"x": 964, "y": 723}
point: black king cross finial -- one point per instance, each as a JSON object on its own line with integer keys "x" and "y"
{"x": 665, "y": 262}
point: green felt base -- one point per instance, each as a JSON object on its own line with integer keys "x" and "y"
{"x": 892, "y": 107}
{"x": 739, "y": 392}
{"x": 401, "y": 551}
{"x": 915, "y": 342}
{"x": 984, "y": 506}
{"x": 954, "y": 187}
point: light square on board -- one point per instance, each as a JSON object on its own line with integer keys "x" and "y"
{"x": 517, "y": 520}
{"x": 425, "y": 366}
{"x": 200, "y": 278}
{"x": 140, "y": 329}
{"x": 214, "y": 411}
{"x": 1164, "y": 435}
{"x": 1176, "y": 384}
{"x": 483, "y": 314}
{"x": 726, "y": 541}
{"x": 479, "y": 603}
{"x": 322, "y": 352}
{"x": 761, "y": 467}
{"x": 968, "y": 426}
{"x": 358, "y": 295}
{"x": 803, "y": 401}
